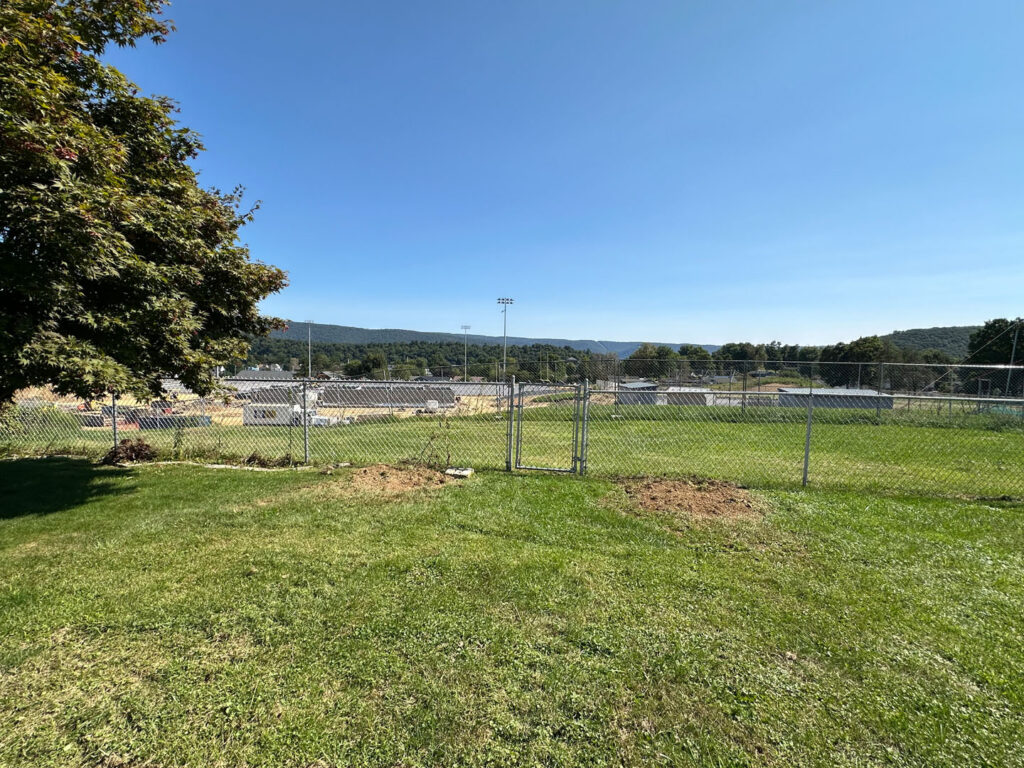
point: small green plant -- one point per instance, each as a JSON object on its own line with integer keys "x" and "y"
{"x": 437, "y": 452}
{"x": 178, "y": 445}
{"x": 41, "y": 419}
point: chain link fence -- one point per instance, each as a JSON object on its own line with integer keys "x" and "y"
{"x": 933, "y": 429}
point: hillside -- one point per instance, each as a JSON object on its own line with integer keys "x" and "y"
{"x": 951, "y": 339}
{"x": 347, "y": 334}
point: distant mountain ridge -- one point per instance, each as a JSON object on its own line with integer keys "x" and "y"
{"x": 951, "y": 339}
{"x": 347, "y": 334}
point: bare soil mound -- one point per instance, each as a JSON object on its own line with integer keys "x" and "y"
{"x": 391, "y": 481}
{"x": 699, "y": 499}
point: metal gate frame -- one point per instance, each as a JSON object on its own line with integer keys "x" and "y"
{"x": 578, "y": 430}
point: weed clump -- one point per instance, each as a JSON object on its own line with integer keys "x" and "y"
{"x": 129, "y": 450}
{"x": 255, "y": 459}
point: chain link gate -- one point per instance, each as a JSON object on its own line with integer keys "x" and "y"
{"x": 550, "y": 418}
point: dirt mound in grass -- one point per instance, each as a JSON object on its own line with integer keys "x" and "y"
{"x": 391, "y": 481}
{"x": 700, "y": 499}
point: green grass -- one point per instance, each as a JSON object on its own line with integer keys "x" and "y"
{"x": 555, "y": 397}
{"x": 173, "y": 615}
{"x": 928, "y": 451}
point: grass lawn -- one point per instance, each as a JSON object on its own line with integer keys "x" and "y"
{"x": 174, "y": 615}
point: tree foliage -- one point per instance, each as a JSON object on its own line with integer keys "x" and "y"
{"x": 116, "y": 267}
{"x": 993, "y": 342}
{"x": 953, "y": 340}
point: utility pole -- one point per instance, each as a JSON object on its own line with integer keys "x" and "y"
{"x": 1013, "y": 356}
{"x": 504, "y": 302}
{"x": 465, "y": 353}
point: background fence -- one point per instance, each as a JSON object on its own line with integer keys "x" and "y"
{"x": 758, "y": 375}
{"x": 914, "y": 429}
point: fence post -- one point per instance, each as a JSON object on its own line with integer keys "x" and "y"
{"x": 577, "y": 408}
{"x": 305, "y": 423}
{"x": 113, "y": 415}
{"x": 511, "y": 385}
{"x": 952, "y": 391}
{"x": 519, "y": 427}
{"x": 878, "y": 403}
{"x": 584, "y": 427}
{"x": 807, "y": 439}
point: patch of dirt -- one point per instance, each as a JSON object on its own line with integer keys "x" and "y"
{"x": 381, "y": 480}
{"x": 392, "y": 481}
{"x": 700, "y": 499}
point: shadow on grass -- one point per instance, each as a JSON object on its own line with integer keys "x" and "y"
{"x": 43, "y": 486}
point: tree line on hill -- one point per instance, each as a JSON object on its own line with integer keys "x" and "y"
{"x": 988, "y": 344}
{"x": 847, "y": 364}
{"x": 404, "y": 360}
{"x": 953, "y": 340}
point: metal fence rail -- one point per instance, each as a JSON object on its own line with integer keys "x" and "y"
{"x": 770, "y": 436}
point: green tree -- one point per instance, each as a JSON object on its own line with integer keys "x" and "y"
{"x": 847, "y": 365}
{"x": 116, "y": 267}
{"x": 375, "y": 366}
{"x": 732, "y": 351}
{"x": 321, "y": 363}
{"x": 601, "y": 366}
{"x": 651, "y": 361}
{"x": 992, "y": 344}
{"x": 698, "y": 358}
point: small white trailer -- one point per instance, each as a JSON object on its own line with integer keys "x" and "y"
{"x": 271, "y": 415}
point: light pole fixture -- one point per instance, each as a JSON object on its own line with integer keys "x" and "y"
{"x": 504, "y": 302}
{"x": 465, "y": 353}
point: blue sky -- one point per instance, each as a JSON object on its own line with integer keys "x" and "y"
{"x": 678, "y": 171}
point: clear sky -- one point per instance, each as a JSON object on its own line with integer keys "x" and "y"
{"x": 674, "y": 171}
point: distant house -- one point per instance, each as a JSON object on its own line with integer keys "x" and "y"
{"x": 637, "y": 393}
{"x": 838, "y": 397}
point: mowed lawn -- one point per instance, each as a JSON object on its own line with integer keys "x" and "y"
{"x": 174, "y": 615}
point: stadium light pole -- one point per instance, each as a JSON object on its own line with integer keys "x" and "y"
{"x": 465, "y": 353}
{"x": 504, "y": 302}
{"x": 309, "y": 349}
